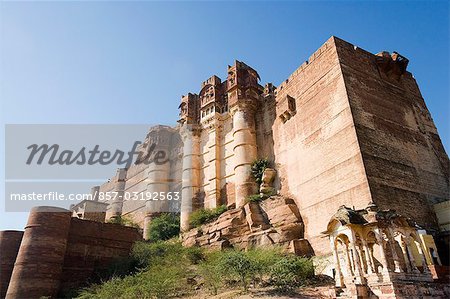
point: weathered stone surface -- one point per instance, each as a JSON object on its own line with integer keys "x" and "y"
{"x": 274, "y": 221}
{"x": 59, "y": 253}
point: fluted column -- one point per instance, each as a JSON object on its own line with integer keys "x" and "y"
{"x": 191, "y": 174}
{"x": 245, "y": 151}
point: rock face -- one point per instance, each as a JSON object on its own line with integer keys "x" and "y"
{"x": 274, "y": 221}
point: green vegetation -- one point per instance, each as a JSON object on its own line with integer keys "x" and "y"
{"x": 258, "y": 167}
{"x": 254, "y": 198}
{"x": 166, "y": 269}
{"x": 164, "y": 227}
{"x": 203, "y": 216}
{"x": 123, "y": 220}
{"x": 291, "y": 271}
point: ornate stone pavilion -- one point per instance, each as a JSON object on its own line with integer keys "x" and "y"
{"x": 379, "y": 253}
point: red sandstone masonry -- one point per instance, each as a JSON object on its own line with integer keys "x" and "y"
{"x": 59, "y": 252}
{"x": 404, "y": 159}
{"x": 9, "y": 247}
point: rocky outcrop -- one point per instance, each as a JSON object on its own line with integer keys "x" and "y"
{"x": 274, "y": 221}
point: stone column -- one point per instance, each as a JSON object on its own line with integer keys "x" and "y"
{"x": 157, "y": 179}
{"x": 339, "y": 281}
{"x": 406, "y": 256}
{"x": 191, "y": 174}
{"x": 383, "y": 259}
{"x": 370, "y": 268}
{"x": 245, "y": 151}
{"x": 359, "y": 278}
{"x": 349, "y": 261}
{"x": 424, "y": 260}
{"x": 391, "y": 241}
{"x": 411, "y": 256}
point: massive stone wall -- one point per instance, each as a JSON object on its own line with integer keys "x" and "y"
{"x": 316, "y": 150}
{"x": 58, "y": 252}
{"x": 405, "y": 162}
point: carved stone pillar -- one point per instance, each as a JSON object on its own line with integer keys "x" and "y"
{"x": 412, "y": 260}
{"x": 191, "y": 174}
{"x": 245, "y": 151}
{"x": 367, "y": 255}
{"x": 359, "y": 277}
{"x": 383, "y": 259}
{"x": 349, "y": 261}
{"x": 405, "y": 251}
{"x": 395, "y": 256}
{"x": 424, "y": 260}
{"x": 338, "y": 278}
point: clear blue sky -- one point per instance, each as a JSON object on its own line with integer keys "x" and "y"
{"x": 129, "y": 62}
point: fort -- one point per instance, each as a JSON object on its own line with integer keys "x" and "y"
{"x": 357, "y": 177}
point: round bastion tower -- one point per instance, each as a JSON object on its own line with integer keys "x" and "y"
{"x": 243, "y": 93}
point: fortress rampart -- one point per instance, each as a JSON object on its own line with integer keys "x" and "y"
{"x": 58, "y": 252}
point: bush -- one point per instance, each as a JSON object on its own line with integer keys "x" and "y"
{"x": 164, "y": 267}
{"x": 211, "y": 272}
{"x": 194, "y": 255}
{"x": 291, "y": 271}
{"x": 258, "y": 167}
{"x": 254, "y": 198}
{"x": 263, "y": 260}
{"x": 237, "y": 265}
{"x": 150, "y": 254}
{"x": 123, "y": 220}
{"x": 164, "y": 227}
{"x": 156, "y": 282}
{"x": 203, "y": 216}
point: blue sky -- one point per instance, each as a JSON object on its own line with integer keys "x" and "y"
{"x": 129, "y": 62}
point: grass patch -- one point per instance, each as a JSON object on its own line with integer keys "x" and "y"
{"x": 203, "y": 216}
{"x": 163, "y": 270}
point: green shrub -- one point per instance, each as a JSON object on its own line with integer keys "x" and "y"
{"x": 150, "y": 254}
{"x": 120, "y": 267}
{"x": 164, "y": 227}
{"x": 123, "y": 220}
{"x": 254, "y": 198}
{"x": 211, "y": 272}
{"x": 258, "y": 167}
{"x": 263, "y": 259}
{"x": 202, "y": 216}
{"x": 157, "y": 282}
{"x": 237, "y": 265}
{"x": 291, "y": 271}
{"x": 194, "y": 254}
